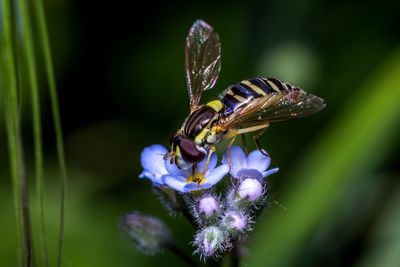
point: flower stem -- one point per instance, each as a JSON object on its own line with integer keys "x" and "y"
{"x": 30, "y": 61}
{"x": 215, "y": 262}
{"x": 235, "y": 257}
{"x": 39, "y": 11}
{"x": 181, "y": 254}
{"x": 9, "y": 72}
{"x": 183, "y": 208}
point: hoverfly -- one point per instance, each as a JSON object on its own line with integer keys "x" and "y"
{"x": 248, "y": 106}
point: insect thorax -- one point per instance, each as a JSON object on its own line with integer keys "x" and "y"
{"x": 200, "y": 124}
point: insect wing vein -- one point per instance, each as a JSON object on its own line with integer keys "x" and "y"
{"x": 284, "y": 102}
{"x": 202, "y": 60}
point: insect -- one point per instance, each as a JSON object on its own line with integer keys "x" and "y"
{"x": 248, "y": 106}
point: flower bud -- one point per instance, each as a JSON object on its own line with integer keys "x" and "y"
{"x": 210, "y": 241}
{"x": 235, "y": 222}
{"x": 208, "y": 206}
{"x": 148, "y": 233}
{"x": 250, "y": 189}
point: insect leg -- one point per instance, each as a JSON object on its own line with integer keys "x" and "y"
{"x": 256, "y": 138}
{"x": 212, "y": 150}
{"x": 252, "y": 129}
{"x": 228, "y": 150}
{"x": 228, "y": 155}
{"x": 235, "y": 132}
{"x": 244, "y": 144}
{"x": 194, "y": 167}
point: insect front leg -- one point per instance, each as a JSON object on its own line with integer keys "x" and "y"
{"x": 212, "y": 150}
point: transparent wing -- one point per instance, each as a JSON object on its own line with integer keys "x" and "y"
{"x": 276, "y": 107}
{"x": 202, "y": 60}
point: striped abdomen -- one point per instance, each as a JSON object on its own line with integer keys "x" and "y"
{"x": 242, "y": 94}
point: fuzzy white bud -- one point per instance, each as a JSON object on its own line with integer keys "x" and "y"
{"x": 149, "y": 234}
{"x": 250, "y": 189}
{"x": 208, "y": 206}
{"x": 235, "y": 221}
{"x": 210, "y": 241}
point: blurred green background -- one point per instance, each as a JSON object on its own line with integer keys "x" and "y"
{"x": 120, "y": 75}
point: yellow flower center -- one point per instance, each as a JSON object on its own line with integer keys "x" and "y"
{"x": 197, "y": 178}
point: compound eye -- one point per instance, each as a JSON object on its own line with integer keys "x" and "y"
{"x": 189, "y": 151}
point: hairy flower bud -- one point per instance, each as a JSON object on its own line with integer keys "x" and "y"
{"x": 148, "y": 233}
{"x": 206, "y": 209}
{"x": 248, "y": 194}
{"x": 210, "y": 241}
{"x": 235, "y": 222}
{"x": 208, "y": 206}
{"x": 250, "y": 189}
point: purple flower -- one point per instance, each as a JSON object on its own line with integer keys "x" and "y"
{"x": 255, "y": 165}
{"x": 162, "y": 173}
{"x": 153, "y": 163}
{"x": 183, "y": 180}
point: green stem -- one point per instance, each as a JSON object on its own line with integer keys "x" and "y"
{"x": 235, "y": 255}
{"x": 182, "y": 255}
{"x": 26, "y": 217}
{"x": 44, "y": 38}
{"x": 183, "y": 208}
{"x": 12, "y": 117}
{"x": 29, "y": 56}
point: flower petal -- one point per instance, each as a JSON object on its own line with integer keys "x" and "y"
{"x": 152, "y": 160}
{"x": 205, "y": 186}
{"x": 192, "y": 187}
{"x": 257, "y": 160}
{"x": 269, "y": 172}
{"x": 211, "y": 165}
{"x": 214, "y": 176}
{"x": 249, "y": 173}
{"x": 175, "y": 171}
{"x": 176, "y": 183}
{"x": 146, "y": 174}
{"x": 157, "y": 180}
{"x": 237, "y": 158}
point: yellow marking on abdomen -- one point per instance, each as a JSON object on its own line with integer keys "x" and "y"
{"x": 273, "y": 86}
{"x": 240, "y": 98}
{"x": 255, "y": 88}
